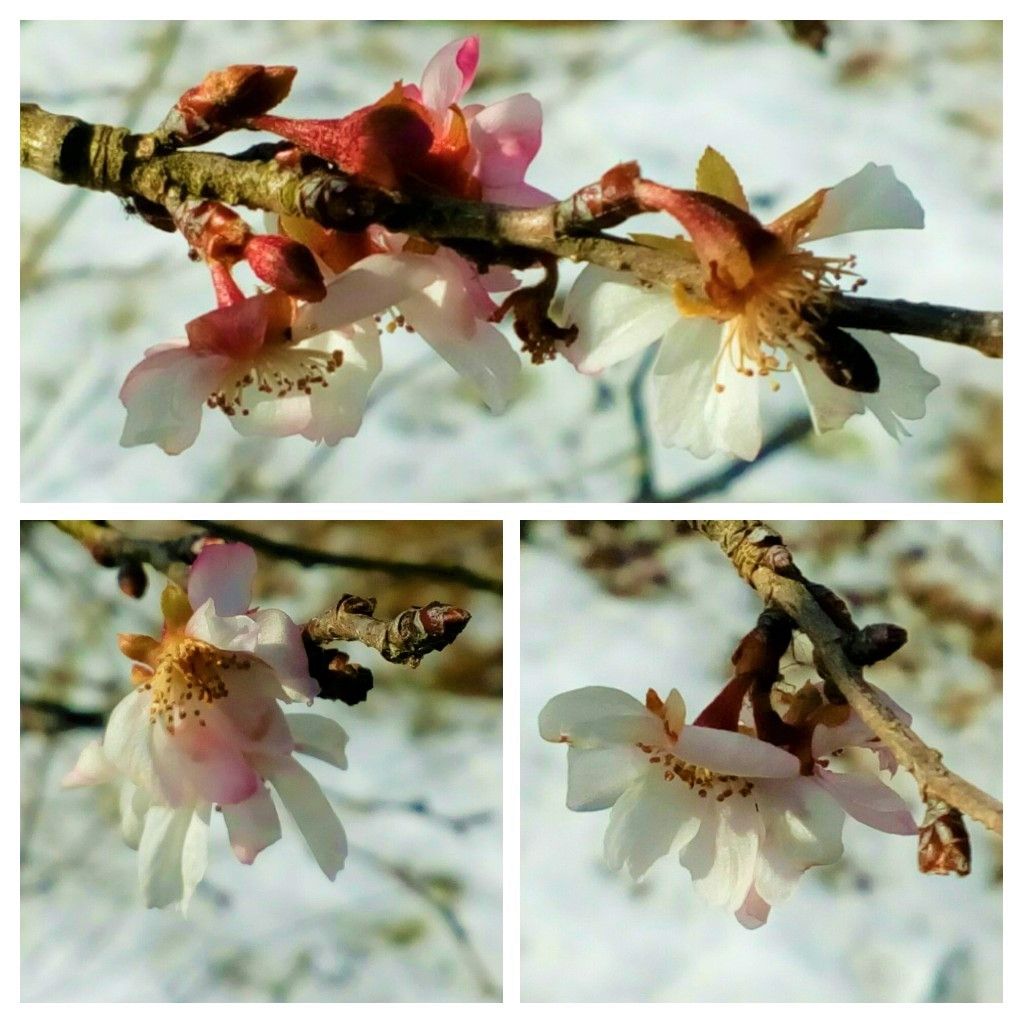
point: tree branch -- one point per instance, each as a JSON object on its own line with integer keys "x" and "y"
{"x": 112, "y": 159}
{"x": 762, "y": 559}
{"x": 305, "y": 556}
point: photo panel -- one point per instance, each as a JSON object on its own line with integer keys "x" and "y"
{"x": 261, "y": 761}
{"x": 747, "y": 711}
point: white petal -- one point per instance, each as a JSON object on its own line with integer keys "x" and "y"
{"x": 689, "y": 410}
{"x": 92, "y": 768}
{"x": 486, "y": 359}
{"x": 872, "y": 198}
{"x": 252, "y": 825}
{"x": 312, "y": 812}
{"x": 320, "y": 737}
{"x": 337, "y": 410}
{"x": 831, "y": 406}
{"x": 160, "y": 855}
{"x": 127, "y": 742}
{"x": 597, "y": 715}
{"x": 652, "y": 816}
{"x": 803, "y": 828}
{"x": 615, "y": 316}
{"x": 734, "y": 753}
{"x": 279, "y": 645}
{"x": 370, "y": 286}
{"x": 164, "y": 396}
{"x": 223, "y": 573}
{"x": 598, "y": 777}
{"x": 722, "y": 856}
{"x": 133, "y": 803}
{"x": 904, "y": 383}
{"x": 228, "y": 632}
{"x": 194, "y": 854}
{"x": 272, "y": 415}
{"x": 869, "y": 800}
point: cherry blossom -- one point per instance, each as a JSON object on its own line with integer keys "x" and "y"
{"x": 203, "y": 729}
{"x": 480, "y": 152}
{"x": 752, "y": 318}
{"x": 745, "y": 817}
{"x": 253, "y": 359}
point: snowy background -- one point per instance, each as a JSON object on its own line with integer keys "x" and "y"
{"x": 416, "y": 912}
{"x": 868, "y": 929}
{"x": 98, "y": 287}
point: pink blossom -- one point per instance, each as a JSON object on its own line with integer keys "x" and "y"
{"x": 251, "y": 359}
{"x": 204, "y": 728}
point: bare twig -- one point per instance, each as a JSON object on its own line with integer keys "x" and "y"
{"x": 405, "y": 639}
{"x": 113, "y": 159}
{"x": 310, "y": 556}
{"x": 763, "y": 560}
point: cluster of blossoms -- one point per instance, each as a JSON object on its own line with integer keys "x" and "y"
{"x": 745, "y": 816}
{"x": 301, "y": 358}
{"x": 204, "y": 729}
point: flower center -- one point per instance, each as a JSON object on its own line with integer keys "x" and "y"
{"x": 186, "y": 679}
{"x": 705, "y": 781}
{"x": 771, "y": 311}
{"x": 278, "y": 371}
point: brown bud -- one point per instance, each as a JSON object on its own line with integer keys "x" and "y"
{"x": 874, "y": 643}
{"x": 443, "y": 622}
{"x": 131, "y": 578}
{"x": 355, "y": 605}
{"x": 943, "y": 845}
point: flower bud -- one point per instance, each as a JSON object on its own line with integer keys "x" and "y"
{"x": 223, "y": 100}
{"x": 131, "y": 578}
{"x": 286, "y": 265}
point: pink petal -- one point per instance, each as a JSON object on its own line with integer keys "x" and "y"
{"x": 253, "y": 825}
{"x": 236, "y": 331}
{"x": 869, "y": 800}
{"x": 164, "y": 396}
{"x": 506, "y": 137}
{"x": 223, "y": 572}
{"x": 517, "y": 195}
{"x": 450, "y": 73}
{"x": 754, "y": 911}
{"x": 213, "y": 765}
{"x": 733, "y": 753}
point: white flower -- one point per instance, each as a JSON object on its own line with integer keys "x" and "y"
{"x": 203, "y": 728}
{"x": 742, "y": 814}
{"x": 751, "y": 320}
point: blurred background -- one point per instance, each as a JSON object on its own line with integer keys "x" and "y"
{"x": 627, "y": 605}
{"x": 99, "y": 287}
{"x": 416, "y": 912}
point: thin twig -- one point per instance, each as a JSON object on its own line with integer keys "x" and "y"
{"x": 307, "y": 557}
{"x": 645, "y": 486}
{"x": 113, "y": 159}
{"x": 421, "y": 887}
{"x": 789, "y": 433}
{"x": 762, "y": 559}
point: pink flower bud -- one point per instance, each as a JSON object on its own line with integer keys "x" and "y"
{"x": 224, "y": 99}
{"x": 286, "y": 265}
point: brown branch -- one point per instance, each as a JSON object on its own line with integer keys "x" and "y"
{"x": 405, "y": 639}
{"x": 307, "y": 557}
{"x": 135, "y": 167}
{"x": 762, "y": 559}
